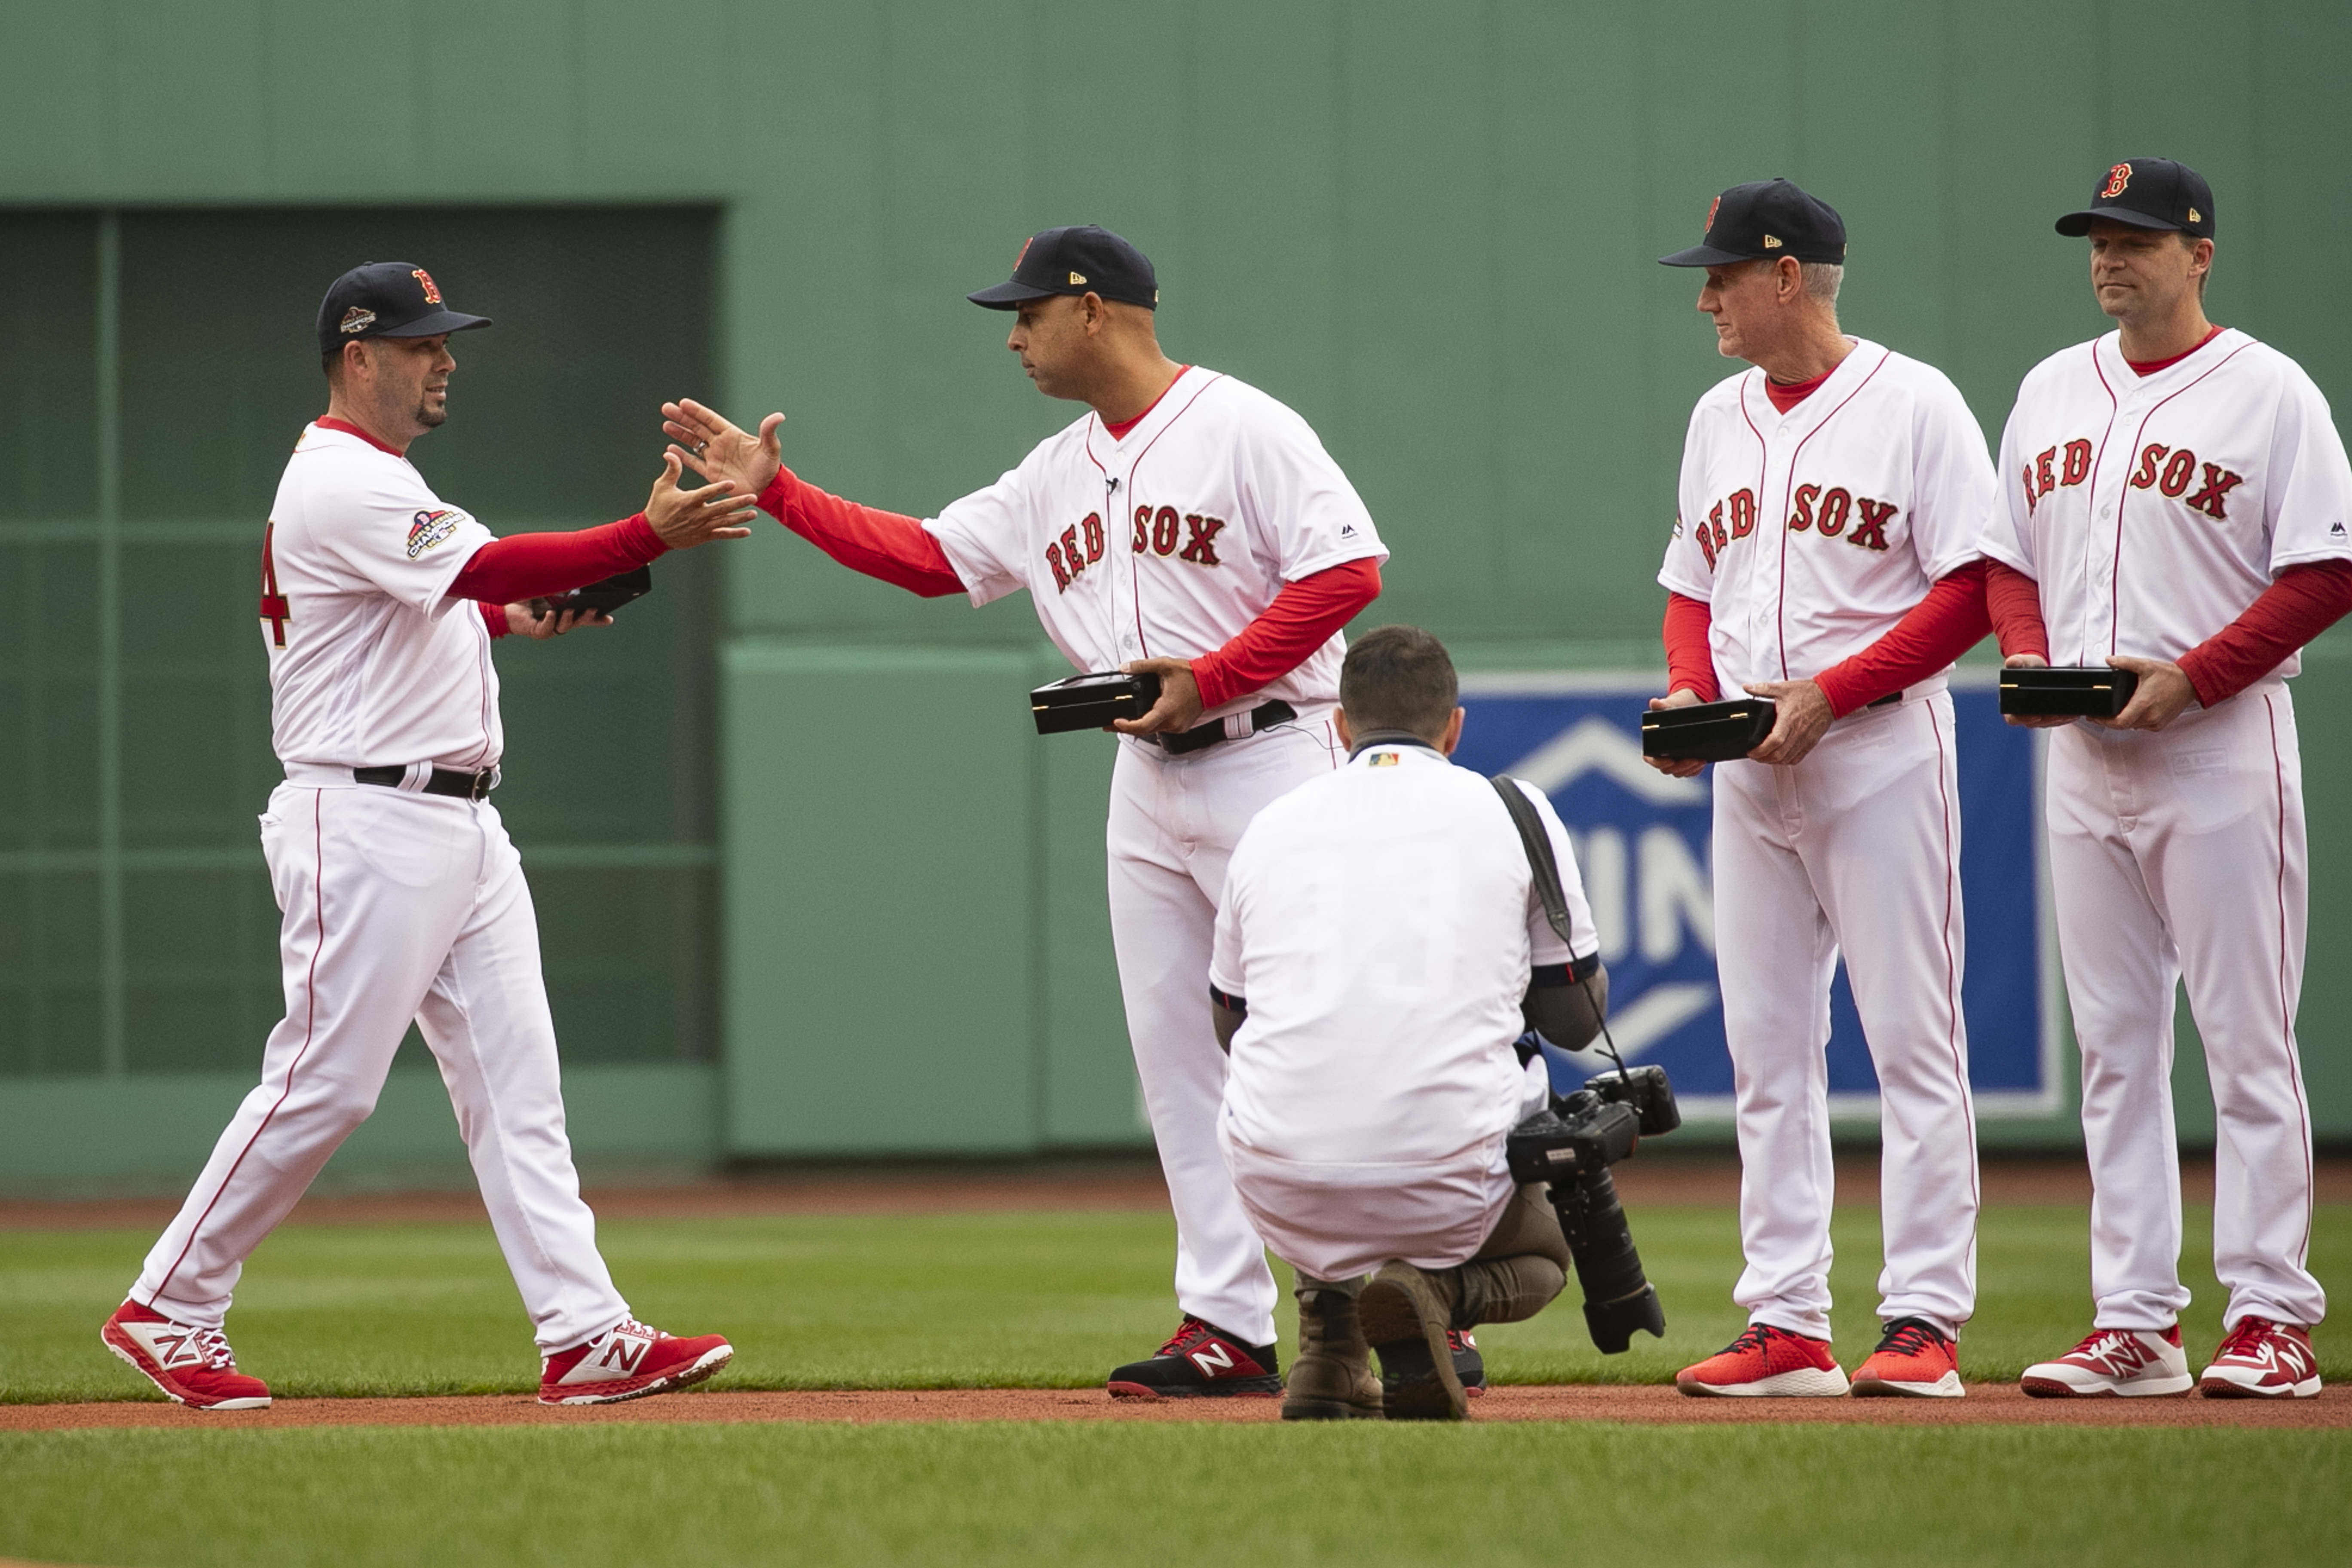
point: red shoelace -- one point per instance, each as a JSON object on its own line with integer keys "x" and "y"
{"x": 2246, "y": 1339}
{"x": 1190, "y": 1329}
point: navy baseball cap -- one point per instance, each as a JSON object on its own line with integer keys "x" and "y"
{"x": 1763, "y": 221}
{"x": 1085, "y": 259}
{"x": 2148, "y": 193}
{"x": 386, "y": 300}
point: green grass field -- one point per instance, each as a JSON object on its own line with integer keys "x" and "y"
{"x": 897, "y": 1302}
{"x": 1251, "y": 1496}
{"x": 1055, "y": 1299}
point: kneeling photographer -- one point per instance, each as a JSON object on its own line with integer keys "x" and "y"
{"x": 1384, "y": 943}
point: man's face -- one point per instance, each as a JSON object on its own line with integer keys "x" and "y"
{"x": 1050, "y": 336}
{"x": 411, "y": 378}
{"x": 2144, "y": 272}
{"x": 1744, "y": 299}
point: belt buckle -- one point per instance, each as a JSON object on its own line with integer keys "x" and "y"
{"x": 478, "y": 787}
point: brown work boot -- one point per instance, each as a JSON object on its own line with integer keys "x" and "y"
{"x": 1405, "y": 1313}
{"x": 1331, "y": 1372}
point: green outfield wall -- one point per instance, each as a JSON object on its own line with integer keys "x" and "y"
{"x": 809, "y": 889}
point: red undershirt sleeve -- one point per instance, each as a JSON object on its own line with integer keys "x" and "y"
{"x": 899, "y": 549}
{"x": 2013, "y": 600}
{"x": 1690, "y": 655}
{"x": 1301, "y": 619}
{"x": 1940, "y": 628}
{"x": 494, "y": 616}
{"x": 2299, "y": 604}
{"x": 527, "y": 565}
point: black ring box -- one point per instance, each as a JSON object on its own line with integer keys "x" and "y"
{"x": 2094, "y": 691}
{"x": 1708, "y": 732}
{"x": 1091, "y": 701}
{"x": 607, "y": 595}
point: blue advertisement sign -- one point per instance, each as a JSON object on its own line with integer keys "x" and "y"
{"x": 1642, "y": 840}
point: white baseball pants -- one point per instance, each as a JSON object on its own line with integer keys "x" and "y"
{"x": 2181, "y": 853}
{"x": 398, "y": 906}
{"x": 1855, "y": 848}
{"x": 1173, "y": 824}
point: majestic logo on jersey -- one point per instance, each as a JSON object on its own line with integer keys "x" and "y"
{"x": 2117, "y": 178}
{"x": 358, "y": 319}
{"x": 1067, "y": 560}
{"x": 424, "y": 279}
{"x": 2176, "y": 474}
{"x": 431, "y": 527}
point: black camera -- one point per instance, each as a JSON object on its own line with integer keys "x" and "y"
{"x": 1567, "y": 1149}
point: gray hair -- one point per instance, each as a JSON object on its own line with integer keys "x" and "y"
{"x": 1821, "y": 278}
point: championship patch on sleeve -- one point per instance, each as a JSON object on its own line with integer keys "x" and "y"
{"x": 431, "y": 527}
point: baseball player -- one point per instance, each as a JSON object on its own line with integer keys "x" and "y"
{"x": 1380, "y": 946}
{"x": 2174, "y": 501}
{"x": 403, "y": 897}
{"x": 1825, "y": 557}
{"x": 1191, "y": 526}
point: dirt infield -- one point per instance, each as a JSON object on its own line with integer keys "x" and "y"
{"x": 1669, "y": 1177}
{"x": 1994, "y": 1404}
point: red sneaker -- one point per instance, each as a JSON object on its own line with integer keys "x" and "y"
{"x": 629, "y": 1360}
{"x": 1915, "y": 1360}
{"x": 1766, "y": 1363}
{"x": 193, "y": 1366}
{"x": 2263, "y": 1359}
{"x": 2132, "y": 1364}
{"x": 1199, "y": 1361}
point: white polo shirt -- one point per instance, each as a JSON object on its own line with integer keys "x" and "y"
{"x": 1380, "y": 921}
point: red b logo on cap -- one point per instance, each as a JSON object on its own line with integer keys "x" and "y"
{"x": 2117, "y": 178}
{"x": 1710, "y": 212}
{"x": 432, "y": 294}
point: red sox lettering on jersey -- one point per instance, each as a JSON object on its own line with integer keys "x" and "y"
{"x": 1809, "y": 534}
{"x": 1221, "y": 495}
{"x": 2153, "y": 510}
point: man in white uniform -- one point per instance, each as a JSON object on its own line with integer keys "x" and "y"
{"x": 1824, "y": 556}
{"x": 1380, "y": 947}
{"x": 403, "y": 898}
{"x": 2180, "y": 496}
{"x": 1192, "y": 527}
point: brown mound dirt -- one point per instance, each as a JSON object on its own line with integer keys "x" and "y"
{"x": 1985, "y": 1403}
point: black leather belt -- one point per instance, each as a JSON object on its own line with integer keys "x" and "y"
{"x": 444, "y": 781}
{"x": 1264, "y": 716}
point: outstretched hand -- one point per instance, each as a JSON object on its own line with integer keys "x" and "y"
{"x": 706, "y": 442}
{"x": 2031, "y": 721}
{"x": 685, "y": 518}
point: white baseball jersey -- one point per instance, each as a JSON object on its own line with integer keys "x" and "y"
{"x": 1380, "y": 921}
{"x": 1809, "y": 534}
{"x": 367, "y": 665}
{"x": 2153, "y": 510}
{"x": 1167, "y": 543}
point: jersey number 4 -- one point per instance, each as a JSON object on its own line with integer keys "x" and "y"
{"x": 274, "y": 607}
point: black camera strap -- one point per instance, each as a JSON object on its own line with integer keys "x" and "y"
{"x": 1544, "y": 871}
